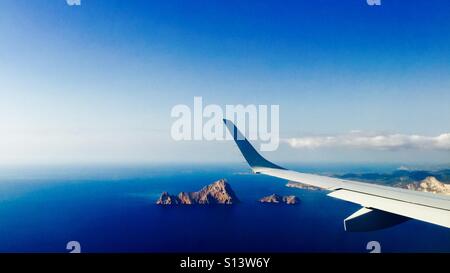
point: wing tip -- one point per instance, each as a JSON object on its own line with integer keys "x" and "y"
{"x": 253, "y": 157}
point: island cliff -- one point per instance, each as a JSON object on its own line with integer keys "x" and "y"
{"x": 219, "y": 192}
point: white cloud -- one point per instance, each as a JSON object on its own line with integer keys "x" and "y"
{"x": 361, "y": 140}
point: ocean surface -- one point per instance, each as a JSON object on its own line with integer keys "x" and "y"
{"x": 112, "y": 209}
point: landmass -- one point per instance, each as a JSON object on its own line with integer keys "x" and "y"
{"x": 275, "y": 198}
{"x": 401, "y": 175}
{"x": 429, "y": 184}
{"x": 219, "y": 192}
{"x": 419, "y": 180}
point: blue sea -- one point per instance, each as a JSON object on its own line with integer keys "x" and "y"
{"x": 112, "y": 209}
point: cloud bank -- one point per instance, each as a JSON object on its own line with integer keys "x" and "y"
{"x": 361, "y": 140}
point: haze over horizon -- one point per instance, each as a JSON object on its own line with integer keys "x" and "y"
{"x": 96, "y": 83}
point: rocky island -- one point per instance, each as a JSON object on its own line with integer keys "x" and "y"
{"x": 219, "y": 192}
{"x": 277, "y": 199}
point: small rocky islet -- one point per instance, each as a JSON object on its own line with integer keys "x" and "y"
{"x": 278, "y": 199}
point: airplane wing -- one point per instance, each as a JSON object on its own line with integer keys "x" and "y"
{"x": 382, "y": 206}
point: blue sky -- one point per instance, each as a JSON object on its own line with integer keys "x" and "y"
{"x": 96, "y": 83}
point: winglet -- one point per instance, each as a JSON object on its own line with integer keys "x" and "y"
{"x": 253, "y": 158}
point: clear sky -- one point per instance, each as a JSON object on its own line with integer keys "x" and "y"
{"x": 96, "y": 83}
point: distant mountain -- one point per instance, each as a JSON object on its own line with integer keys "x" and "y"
{"x": 429, "y": 184}
{"x": 219, "y": 192}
